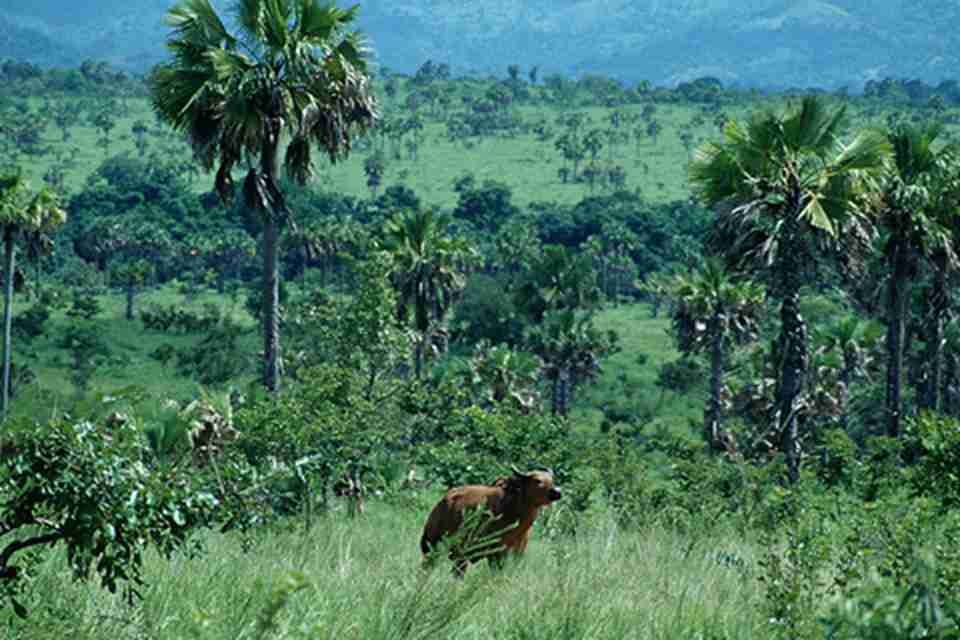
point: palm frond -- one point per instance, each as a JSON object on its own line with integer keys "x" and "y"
{"x": 317, "y": 23}
{"x": 197, "y": 22}
{"x": 174, "y": 90}
{"x": 867, "y": 152}
{"x": 913, "y": 152}
{"x": 812, "y": 127}
{"x": 715, "y": 173}
{"x": 297, "y": 160}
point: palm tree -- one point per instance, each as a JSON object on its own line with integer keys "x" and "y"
{"x": 903, "y": 207}
{"x": 849, "y": 338}
{"x": 429, "y": 269}
{"x": 291, "y": 73}
{"x": 21, "y": 211}
{"x": 785, "y": 186}
{"x": 571, "y": 348}
{"x": 557, "y": 278}
{"x": 498, "y": 375}
{"x": 712, "y": 313}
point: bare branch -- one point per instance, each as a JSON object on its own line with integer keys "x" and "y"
{"x": 20, "y": 545}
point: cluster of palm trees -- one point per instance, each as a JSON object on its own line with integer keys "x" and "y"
{"x": 794, "y": 195}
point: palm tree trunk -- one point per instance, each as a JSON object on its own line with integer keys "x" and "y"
{"x": 271, "y": 306}
{"x": 846, "y": 379}
{"x": 930, "y": 396}
{"x": 418, "y": 355}
{"x": 560, "y": 390}
{"x": 131, "y": 291}
{"x": 793, "y": 341}
{"x": 897, "y": 296}
{"x": 951, "y": 377}
{"x": 9, "y": 257}
{"x": 793, "y": 347}
{"x": 271, "y": 272}
{"x": 712, "y": 417}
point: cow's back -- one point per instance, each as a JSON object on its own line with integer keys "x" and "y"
{"x": 447, "y": 515}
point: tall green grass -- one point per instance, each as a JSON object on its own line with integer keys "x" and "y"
{"x": 362, "y": 579}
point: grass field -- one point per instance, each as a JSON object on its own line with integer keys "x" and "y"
{"x": 130, "y": 345}
{"x": 360, "y": 579}
{"x": 528, "y": 166}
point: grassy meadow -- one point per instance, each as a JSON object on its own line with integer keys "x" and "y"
{"x": 361, "y": 579}
{"x": 528, "y": 166}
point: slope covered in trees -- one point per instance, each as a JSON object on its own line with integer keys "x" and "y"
{"x": 774, "y": 43}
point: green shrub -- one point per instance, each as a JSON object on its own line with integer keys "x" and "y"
{"x": 77, "y": 486}
{"x": 880, "y": 609}
{"x": 476, "y": 446}
{"x": 84, "y": 305}
{"x": 681, "y": 375}
{"x": 29, "y": 323}
{"x": 934, "y": 440}
{"x": 217, "y": 358}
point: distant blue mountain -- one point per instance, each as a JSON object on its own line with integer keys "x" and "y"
{"x": 770, "y": 43}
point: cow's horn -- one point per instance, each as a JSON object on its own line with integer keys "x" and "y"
{"x": 518, "y": 473}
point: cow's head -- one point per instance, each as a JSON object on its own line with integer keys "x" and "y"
{"x": 537, "y": 487}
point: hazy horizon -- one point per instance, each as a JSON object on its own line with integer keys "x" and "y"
{"x": 764, "y": 43}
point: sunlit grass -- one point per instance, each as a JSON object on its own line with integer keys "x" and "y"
{"x": 628, "y": 378}
{"x": 362, "y": 579}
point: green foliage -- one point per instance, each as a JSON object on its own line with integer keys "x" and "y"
{"x": 88, "y": 351}
{"x": 30, "y": 322}
{"x": 218, "y": 358}
{"x": 73, "y": 485}
{"x": 318, "y": 432}
{"x": 85, "y": 305}
{"x": 881, "y": 611}
{"x": 474, "y": 446}
{"x": 680, "y": 375}
{"x": 934, "y": 442}
{"x": 487, "y": 311}
{"x": 171, "y": 318}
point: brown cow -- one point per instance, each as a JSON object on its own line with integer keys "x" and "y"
{"x": 512, "y": 505}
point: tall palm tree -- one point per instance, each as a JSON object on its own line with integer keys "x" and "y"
{"x": 429, "y": 271}
{"x": 291, "y": 74}
{"x": 22, "y": 211}
{"x": 903, "y": 209}
{"x": 712, "y": 313}
{"x": 785, "y": 185}
{"x": 942, "y": 259}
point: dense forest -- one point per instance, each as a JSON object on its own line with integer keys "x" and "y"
{"x": 266, "y": 303}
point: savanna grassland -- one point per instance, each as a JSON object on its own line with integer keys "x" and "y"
{"x": 361, "y": 579}
{"x": 504, "y": 271}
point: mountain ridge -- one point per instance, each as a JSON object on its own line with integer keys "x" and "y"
{"x": 767, "y": 43}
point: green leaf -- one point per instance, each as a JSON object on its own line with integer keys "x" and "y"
{"x": 19, "y": 609}
{"x": 817, "y": 217}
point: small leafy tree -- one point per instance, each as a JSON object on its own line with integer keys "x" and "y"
{"x": 87, "y": 350}
{"x": 75, "y": 486}
{"x": 131, "y": 276}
